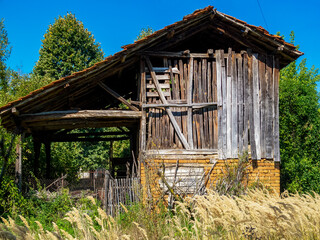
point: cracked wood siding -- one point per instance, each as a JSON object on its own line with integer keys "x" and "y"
{"x": 224, "y": 102}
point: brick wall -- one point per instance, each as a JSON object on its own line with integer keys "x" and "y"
{"x": 264, "y": 171}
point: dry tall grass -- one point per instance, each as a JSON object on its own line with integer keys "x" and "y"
{"x": 257, "y": 215}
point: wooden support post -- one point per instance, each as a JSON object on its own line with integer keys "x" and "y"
{"x": 18, "y": 170}
{"x": 143, "y": 127}
{"x": 37, "y": 148}
{"x": 111, "y": 158}
{"x": 48, "y": 159}
{"x": 106, "y": 190}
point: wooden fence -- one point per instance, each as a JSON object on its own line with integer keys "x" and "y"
{"x": 119, "y": 190}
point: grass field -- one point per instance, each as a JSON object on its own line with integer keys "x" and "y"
{"x": 256, "y": 215}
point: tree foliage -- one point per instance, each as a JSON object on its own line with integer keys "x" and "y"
{"x": 299, "y": 127}
{"x": 67, "y": 47}
{"x": 5, "y": 50}
{"x": 144, "y": 33}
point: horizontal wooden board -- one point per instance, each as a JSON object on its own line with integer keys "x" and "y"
{"x": 159, "y": 77}
{"x": 156, "y": 94}
{"x": 162, "y": 85}
{"x": 164, "y": 70}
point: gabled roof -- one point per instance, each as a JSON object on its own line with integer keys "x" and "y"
{"x": 257, "y": 36}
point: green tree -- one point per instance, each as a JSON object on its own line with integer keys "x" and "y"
{"x": 299, "y": 127}
{"x": 67, "y": 47}
{"x": 5, "y": 50}
{"x": 144, "y": 33}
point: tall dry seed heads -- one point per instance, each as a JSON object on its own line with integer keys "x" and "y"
{"x": 256, "y": 215}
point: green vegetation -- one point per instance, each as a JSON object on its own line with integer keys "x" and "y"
{"x": 144, "y": 33}
{"x": 67, "y": 47}
{"x": 5, "y": 51}
{"x": 257, "y": 215}
{"x": 299, "y": 127}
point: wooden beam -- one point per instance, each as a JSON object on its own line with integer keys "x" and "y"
{"x": 182, "y": 152}
{"x": 192, "y": 105}
{"x": 94, "y": 139}
{"x": 92, "y": 134}
{"x": 164, "y": 101}
{"x": 117, "y": 96}
{"x": 167, "y": 54}
{"x": 76, "y": 114}
{"x": 80, "y": 123}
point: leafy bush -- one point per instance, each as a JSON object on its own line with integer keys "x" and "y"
{"x": 11, "y": 200}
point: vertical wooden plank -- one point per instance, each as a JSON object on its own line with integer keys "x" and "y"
{"x": 251, "y": 108}
{"x": 240, "y": 106}
{"x": 234, "y": 116}
{"x": 215, "y": 111}
{"x": 178, "y": 94}
{"x": 194, "y": 100}
{"x": 173, "y": 136}
{"x": 151, "y": 115}
{"x": 263, "y": 86}
{"x": 210, "y": 110}
{"x": 246, "y": 101}
{"x": 219, "y": 64}
{"x": 106, "y": 190}
{"x": 181, "y": 80}
{"x": 200, "y": 133}
{"x": 269, "y": 108}
{"x": 189, "y": 101}
{"x": 276, "y": 147}
{"x": 184, "y": 110}
{"x": 149, "y": 129}
{"x": 256, "y": 104}
{"x": 229, "y": 104}
{"x": 204, "y": 98}
{"x": 224, "y": 104}
{"x": 166, "y": 120}
{"x": 143, "y": 129}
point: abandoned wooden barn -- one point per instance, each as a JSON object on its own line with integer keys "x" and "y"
{"x": 202, "y": 90}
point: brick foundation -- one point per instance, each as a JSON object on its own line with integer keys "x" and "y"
{"x": 265, "y": 171}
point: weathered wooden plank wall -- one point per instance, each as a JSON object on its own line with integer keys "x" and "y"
{"x": 223, "y": 101}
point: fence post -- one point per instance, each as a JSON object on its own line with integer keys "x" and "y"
{"x": 106, "y": 190}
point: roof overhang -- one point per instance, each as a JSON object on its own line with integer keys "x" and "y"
{"x": 39, "y": 100}
{"x": 56, "y": 120}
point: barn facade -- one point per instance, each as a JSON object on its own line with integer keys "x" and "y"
{"x": 198, "y": 93}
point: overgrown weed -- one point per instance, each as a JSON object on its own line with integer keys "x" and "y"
{"x": 256, "y": 215}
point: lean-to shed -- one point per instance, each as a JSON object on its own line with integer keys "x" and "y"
{"x": 201, "y": 91}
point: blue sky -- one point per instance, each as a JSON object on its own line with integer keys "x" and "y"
{"x": 117, "y": 23}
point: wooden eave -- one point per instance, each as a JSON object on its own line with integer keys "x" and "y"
{"x": 72, "y": 119}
